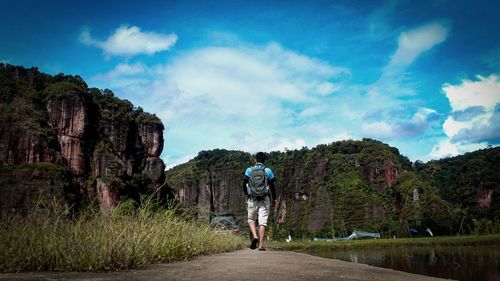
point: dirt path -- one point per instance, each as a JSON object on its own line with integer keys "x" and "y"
{"x": 240, "y": 265}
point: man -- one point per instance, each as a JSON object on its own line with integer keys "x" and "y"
{"x": 258, "y": 185}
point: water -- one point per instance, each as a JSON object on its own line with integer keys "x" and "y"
{"x": 453, "y": 262}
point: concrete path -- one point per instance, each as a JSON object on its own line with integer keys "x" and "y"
{"x": 240, "y": 265}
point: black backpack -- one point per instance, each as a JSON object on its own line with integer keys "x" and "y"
{"x": 257, "y": 182}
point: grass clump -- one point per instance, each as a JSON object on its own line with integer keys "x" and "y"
{"x": 50, "y": 241}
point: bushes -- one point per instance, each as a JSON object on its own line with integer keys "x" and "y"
{"x": 124, "y": 238}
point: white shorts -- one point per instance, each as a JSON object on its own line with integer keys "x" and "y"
{"x": 258, "y": 209}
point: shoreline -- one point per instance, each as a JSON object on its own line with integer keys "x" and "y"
{"x": 307, "y": 245}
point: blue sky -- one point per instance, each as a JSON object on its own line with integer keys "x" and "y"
{"x": 276, "y": 75}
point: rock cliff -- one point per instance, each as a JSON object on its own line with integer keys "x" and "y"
{"x": 333, "y": 189}
{"x": 328, "y": 190}
{"x": 107, "y": 149}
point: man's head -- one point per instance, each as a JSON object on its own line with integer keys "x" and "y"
{"x": 260, "y": 157}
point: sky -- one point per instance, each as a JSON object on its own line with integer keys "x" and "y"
{"x": 422, "y": 76}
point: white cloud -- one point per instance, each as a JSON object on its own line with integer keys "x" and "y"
{"x": 481, "y": 100}
{"x": 170, "y": 163}
{"x": 286, "y": 144}
{"x": 452, "y": 127}
{"x": 129, "y": 41}
{"x": 411, "y": 44}
{"x": 120, "y": 71}
{"x": 422, "y": 115}
{"x": 380, "y": 130}
{"x": 312, "y": 111}
{"x": 244, "y": 97}
{"x": 414, "y": 42}
{"x": 133, "y": 77}
{"x": 336, "y": 137}
{"x": 256, "y": 98}
{"x": 327, "y": 88}
{"x": 446, "y": 148}
{"x": 488, "y": 132}
{"x": 484, "y": 92}
{"x": 270, "y": 143}
{"x": 245, "y": 82}
{"x": 420, "y": 122}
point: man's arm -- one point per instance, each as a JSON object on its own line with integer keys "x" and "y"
{"x": 271, "y": 180}
{"x": 271, "y": 187}
{"x": 245, "y": 181}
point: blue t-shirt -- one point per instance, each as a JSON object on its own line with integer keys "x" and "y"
{"x": 269, "y": 172}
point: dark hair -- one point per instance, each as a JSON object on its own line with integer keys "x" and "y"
{"x": 260, "y": 157}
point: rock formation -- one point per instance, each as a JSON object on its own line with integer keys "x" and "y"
{"x": 338, "y": 187}
{"x": 67, "y": 118}
{"x": 108, "y": 150}
{"x": 349, "y": 185}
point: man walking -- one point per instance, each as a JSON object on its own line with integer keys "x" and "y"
{"x": 258, "y": 185}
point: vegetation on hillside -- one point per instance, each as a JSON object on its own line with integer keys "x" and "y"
{"x": 461, "y": 179}
{"x": 24, "y": 94}
{"x": 346, "y": 190}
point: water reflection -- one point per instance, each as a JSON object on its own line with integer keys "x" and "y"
{"x": 454, "y": 262}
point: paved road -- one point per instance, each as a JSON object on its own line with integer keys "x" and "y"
{"x": 240, "y": 265}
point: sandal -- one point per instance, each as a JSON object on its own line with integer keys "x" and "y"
{"x": 254, "y": 243}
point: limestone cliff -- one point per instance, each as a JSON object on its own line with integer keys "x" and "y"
{"x": 351, "y": 185}
{"x": 108, "y": 149}
{"x": 330, "y": 189}
{"x": 67, "y": 118}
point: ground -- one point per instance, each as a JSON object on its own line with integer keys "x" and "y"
{"x": 240, "y": 265}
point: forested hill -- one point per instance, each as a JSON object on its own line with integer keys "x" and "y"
{"x": 347, "y": 185}
{"x": 471, "y": 182}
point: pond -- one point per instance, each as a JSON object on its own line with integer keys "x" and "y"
{"x": 453, "y": 262}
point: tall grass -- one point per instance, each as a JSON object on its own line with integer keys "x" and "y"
{"x": 42, "y": 241}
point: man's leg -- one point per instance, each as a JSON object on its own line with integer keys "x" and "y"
{"x": 251, "y": 225}
{"x": 252, "y": 214}
{"x": 263, "y": 214}
{"x": 262, "y": 230}
{"x": 255, "y": 240}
